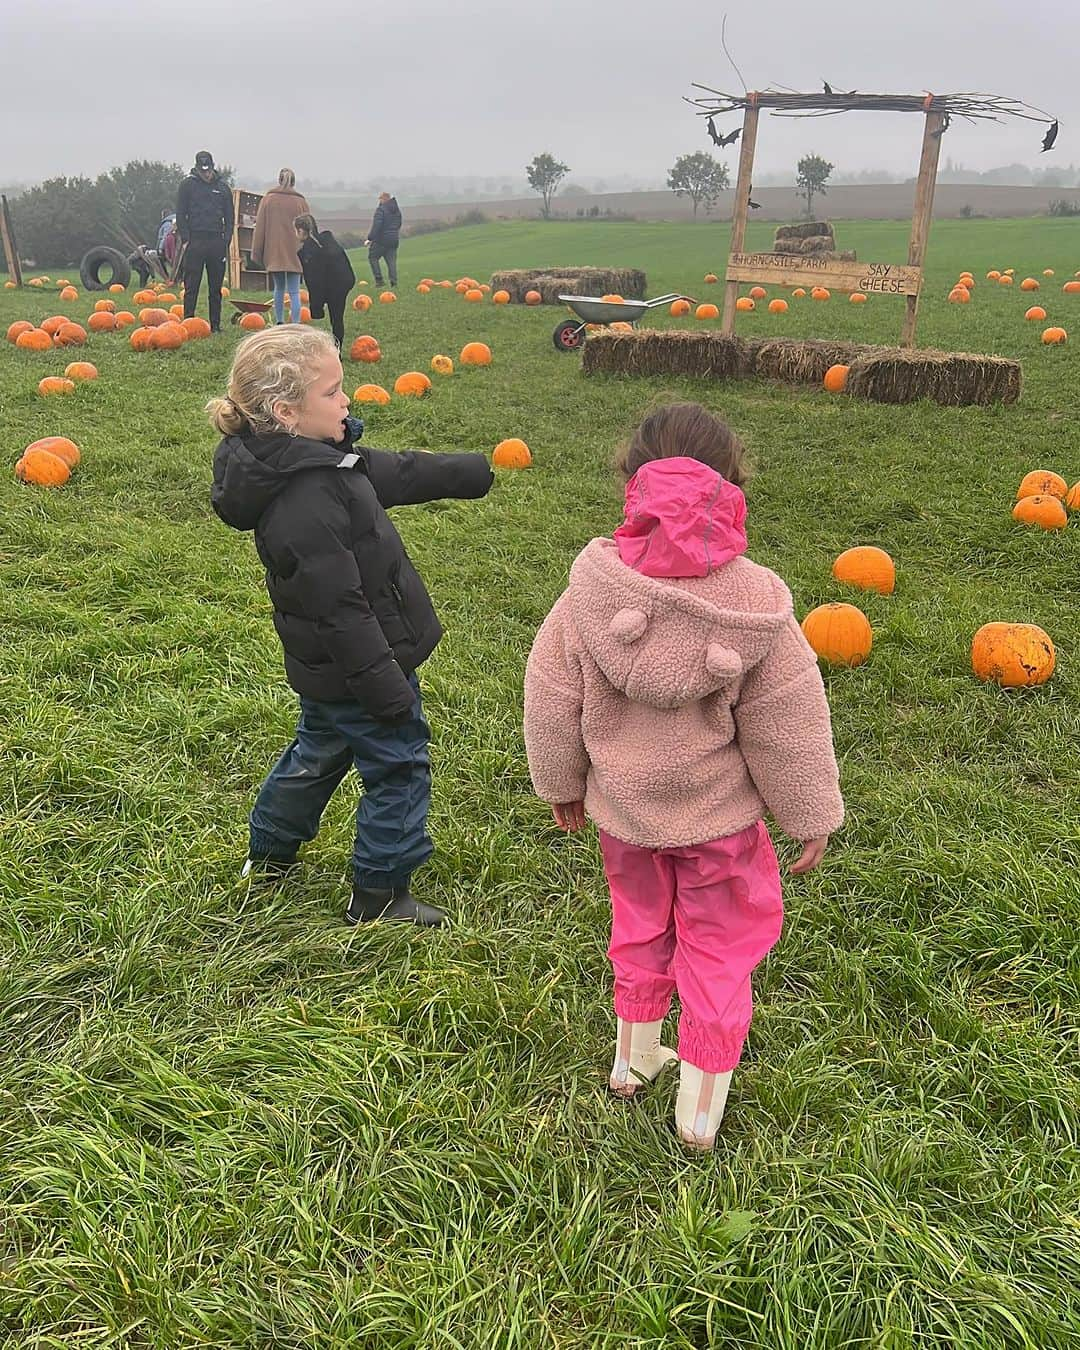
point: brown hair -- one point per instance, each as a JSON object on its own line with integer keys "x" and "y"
{"x": 308, "y": 224}
{"x": 286, "y": 178}
{"x": 272, "y": 366}
{"x": 683, "y": 429}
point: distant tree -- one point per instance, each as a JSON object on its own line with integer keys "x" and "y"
{"x": 58, "y": 220}
{"x": 574, "y": 190}
{"x": 545, "y": 174}
{"x": 813, "y": 173}
{"x": 136, "y": 195}
{"x": 699, "y": 177}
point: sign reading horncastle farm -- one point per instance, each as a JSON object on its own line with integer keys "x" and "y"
{"x": 797, "y": 269}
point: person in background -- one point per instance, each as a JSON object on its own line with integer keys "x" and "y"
{"x": 328, "y": 274}
{"x": 204, "y": 221}
{"x": 143, "y": 261}
{"x": 274, "y": 243}
{"x": 382, "y": 240}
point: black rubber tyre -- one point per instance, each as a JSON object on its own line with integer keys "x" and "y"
{"x": 97, "y": 258}
{"x": 569, "y": 336}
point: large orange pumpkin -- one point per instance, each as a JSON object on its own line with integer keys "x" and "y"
{"x": 1036, "y": 313}
{"x": 252, "y": 322}
{"x": 69, "y": 335}
{"x": 501, "y": 298}
{"x": 34, "y": 340}
{"x": 857, "y": 298}
{"x": 81, "y": 370}
{"x": 59, "y": 446}
{"x": 142, "y": 339}
{"x": 743, "y": 304}
{"x": 1046, "y": 512}
{"x": 1005, "y": 279}
{"x": 710, "y": 278}
{"x": 819, "y": 293}
{"x": 151, "y": 318}
{"x": 143, "y": 298}
{"x": 19, "y": 326}
{"x": 1015, "y": 655}
{"x": 1072, "y": 497}
{"x": 707, "y": 312}
{"x": 101, "y": 321}
{"x": 166, "y": 298}
{"x": 53, "y": 324}
{"x": 413, "y": 384}
{"x": 55, "y": 384}
{"x": 1042, "y": 483}
{"x": 168, "y": 337}
{"x": 679, "y": 308}
{"x": 387, "y": 298}
{"x": 533, "y": 297}
{"x": 105, "y": 306}
{"x": 365, "y": 348}
{"x": 116, "y": 289}
{"x": 959, "y": 296}
{"x": 836, "y": 378}
{"x": 869, "y": 568}
{"x": 1071, "y": 287}
{"x": 839, "y": 634}
{"x": 778, "y": 306}
{"x": 442, "y": 365}
{"x": 423, "y": 290}
{"x": 474, "y": 295}
{"x": 124, "y": 318}
{"x": 177, "y": 311}
{"x": 42, "y": 468}
{"x": 475, "y": 354}
{"x": 371, "y": 393}
{"x": 1054, "y": 337}
{"x": 69, "y": 293}
{"x": 196, "y": 327}
{"x": 512, "y": 453}
{"x": 1029, "y": 284}
{"x": 758, "y": 292}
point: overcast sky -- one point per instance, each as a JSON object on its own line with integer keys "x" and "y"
{"x": 341, "y": 89}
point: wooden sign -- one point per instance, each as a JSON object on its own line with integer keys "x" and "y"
{"x": 801, "y": 269}
{"x": 11, "y": 250}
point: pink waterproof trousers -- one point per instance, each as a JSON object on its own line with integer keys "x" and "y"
{"x": 697, "y": 919}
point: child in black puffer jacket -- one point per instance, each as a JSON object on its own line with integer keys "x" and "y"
{"x": 328, "y": 274}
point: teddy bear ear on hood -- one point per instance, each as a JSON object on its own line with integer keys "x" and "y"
{"x": 723, "y": 662}
{"x": 628, "y": 625}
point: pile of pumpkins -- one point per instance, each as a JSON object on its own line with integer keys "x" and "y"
{"x": 1045, "y": 499}
{"x": 48, "y": 462}
{"x": 1013, "y": 655}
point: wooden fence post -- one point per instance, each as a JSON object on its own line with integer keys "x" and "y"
{"x": 742, "y": 199}
{"x": 922, "y": 213}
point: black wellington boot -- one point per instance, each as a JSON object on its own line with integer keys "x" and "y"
{"x": 396, "y": 906}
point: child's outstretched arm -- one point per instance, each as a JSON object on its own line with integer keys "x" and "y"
{"x": 408, "y": 477}
{"x": 554, "y": 744}
{"x": 785, "y": 735}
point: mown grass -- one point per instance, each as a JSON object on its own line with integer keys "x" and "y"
{"x": 226, "y": 1120}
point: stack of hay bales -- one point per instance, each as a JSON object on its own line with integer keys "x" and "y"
{"x": 552, "y": 282}
{"x": 810, "y": 237}
{"x": 880, "y": 374}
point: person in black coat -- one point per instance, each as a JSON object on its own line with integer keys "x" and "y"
{"x": 204, "y": 222}
{"x": 328, "y": 274}
{"x": 383, "y": 237}
{"x": 352, "y": 613}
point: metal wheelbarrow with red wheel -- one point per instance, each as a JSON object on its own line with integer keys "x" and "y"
{"x": 243, "y": 307}
{"x": 569, "y": 336}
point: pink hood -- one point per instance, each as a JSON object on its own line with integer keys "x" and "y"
{"x": 682, "y": 520}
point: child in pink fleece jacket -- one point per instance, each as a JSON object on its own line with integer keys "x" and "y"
{"x": 671, "y": 695}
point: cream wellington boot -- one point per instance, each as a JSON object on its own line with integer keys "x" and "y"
{"x": 699, "y": 1108}
{"x": 639, "y": 1056}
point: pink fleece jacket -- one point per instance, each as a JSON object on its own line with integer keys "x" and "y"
{"x": 671, "y": 688}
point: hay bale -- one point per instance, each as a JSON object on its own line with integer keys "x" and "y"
{"x": 805, "y": 229}
{"x": 646, "y": 351}
{"x": 628, "y": 282}
{"x": 953, "y": 379}
{"x": 801, "y": 360}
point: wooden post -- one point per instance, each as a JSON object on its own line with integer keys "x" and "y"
{"x": 11, "y": 251}
{"x": 742, "y": 198}
{"x": 922, "y": 213}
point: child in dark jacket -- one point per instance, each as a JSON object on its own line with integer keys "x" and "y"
{"x": 352, "y": 613}
{"x": 328, "y": 274}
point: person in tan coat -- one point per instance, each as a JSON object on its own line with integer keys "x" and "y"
{"x": 274, "y": 244}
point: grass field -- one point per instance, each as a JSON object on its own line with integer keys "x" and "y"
{"x": 228, "y": 1121}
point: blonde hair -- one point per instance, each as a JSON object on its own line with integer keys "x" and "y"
{"x": 286, "y": 178}
{"x": 272, "y": 366}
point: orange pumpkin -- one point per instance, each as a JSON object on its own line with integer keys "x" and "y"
{"x": 166, "y": 298}
{"x": 371, "y": 393}
{"x": 143, "y": 297}
{"x": 1029, "y": 284}
{"x": 959, "y": 295}
{"x": 758, "y": 292}
{"x": 105, "y": 306}
{"x": 1054, "y": 337}
{"x": 1046, "y": 512}
{"x": 387, "y": 298}
{"x": 485, "y": 288}
{"x": 501, "y": 298}
{"x": 427, "y": 281}
{"x": 168, "y": 337}
{"x": 613, "y": 298}
{"x": 363, "y": 303}
{"x": 744, "y": 304}
{"x": 81, "y": 370}
{"x": 423, "y": 290}
{"x": 533, "y": 297}
{"x": 710, "y": 278}
{"x": 305, "y": 314}
{"x": 177, "y": 312}
{"x": 124, "y": 318}
{"x": 1048, "y": 271}
{"x": 365, "y": 348}
{"x": 1071, "y": 287}
{"x": 512, "y": 453}
{"x": 474, "y": 295}
{"x": 225, "y": 292}
{"x": 10, "y": 286}
{"x": 857, "y": 298}
{"x": 142, "y": 339}
{"x": 101, "y": 322}
{"x": 252, "y": 322}
{"x": 1042, "y": 483}
{"x": 195, "y": 327}
{"x": 151, "y": 318}
{"x": 679, "y": 308}
{"x": 839, "y": 634}
{"x": 19, "y": 326}
{"x": 836, "y": 378}
{"x": 869, "y": 568}
{"x": 475, "y": 354}
{"x": 778, "y": 306}
{"x": 34, "y": 340}
{"x": 1014, "y": 655}
{"x": 69, "y": 293}
{"x": 461, "y": 287}
{"x": 819, "y": 293}
{"x": 35, "y": 281}
{"x": 413, "y": 384}
{"x": 116, "y": 289}
{"x": 1072, "y": 497}
{"x": 59, "y": 446}
{"x": 53, "y": 324}
{"x": 708, "y": 311}
{"x": 1005, "y": 279}
{"x": 69, "y": 335}
{"x": 798, "y": 293}
{"x": 1036, "y": 313}
{"x": 442, "y": 365}
{"x": 55, "y": 384}
{"x": 41, "y": 467}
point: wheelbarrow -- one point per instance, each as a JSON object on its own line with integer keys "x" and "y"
{"x": 243, "y": 307}
{"x": 570, "y": 334}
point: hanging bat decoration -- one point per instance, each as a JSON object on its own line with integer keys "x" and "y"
{"x": 719, "y": 140}
{"x": 1050, "y": 137}
{"x": 753, "y": 205}
{"x": 946, "y": 120}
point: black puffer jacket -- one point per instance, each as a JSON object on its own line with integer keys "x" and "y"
{"x": 327, "y": 270}
{"x": 386, "y": 224}
{"x": 204, "y": 208}
{"x": 352, "y": 613}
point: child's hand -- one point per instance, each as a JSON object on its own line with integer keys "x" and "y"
{"x": 569, "y": 816}
{"x": 812, "y": 854}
